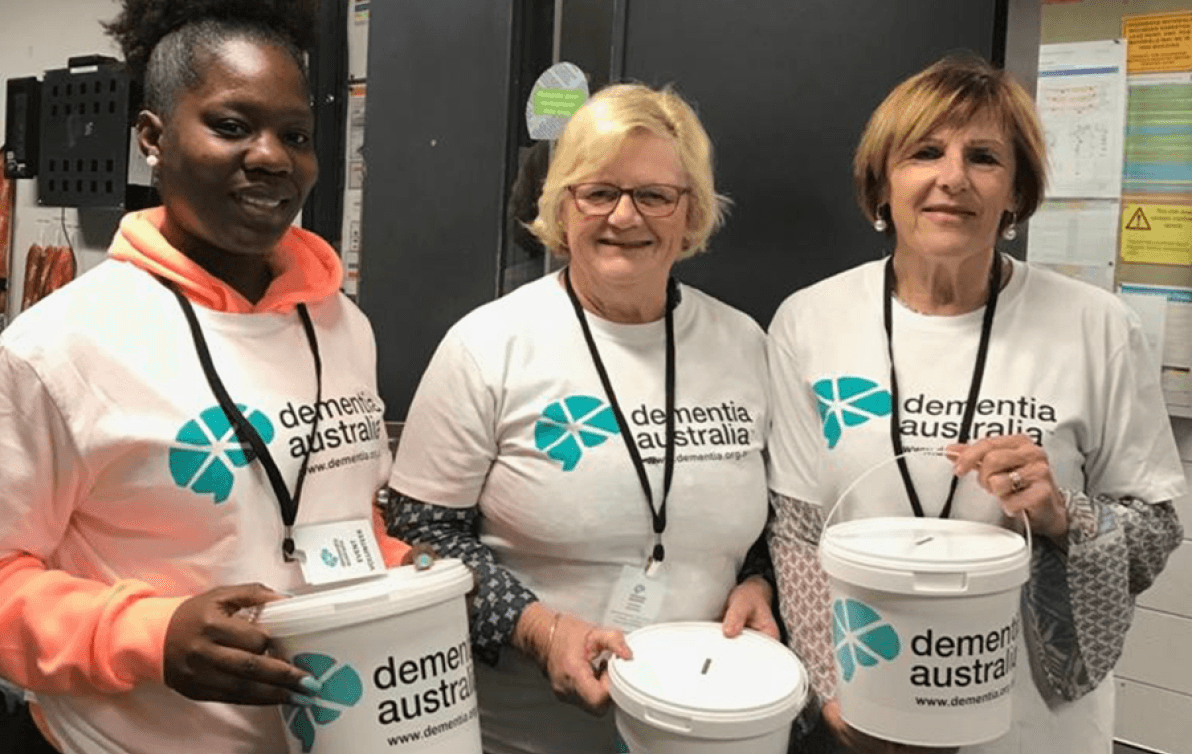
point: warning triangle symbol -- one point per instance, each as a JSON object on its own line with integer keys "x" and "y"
{"x": 1138, "y": 221}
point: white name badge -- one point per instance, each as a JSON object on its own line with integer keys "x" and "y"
{"x": 637, "y": 597}
{"x": 337, "y": 551}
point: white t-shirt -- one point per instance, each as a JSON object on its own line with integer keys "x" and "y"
{"x": 114, "y": 474}
{"x": 511, "y": 416}
{"x": 1067, "y": 365}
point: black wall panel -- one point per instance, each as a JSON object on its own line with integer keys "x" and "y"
{"x": 785, "y": 89}
{"x": 435, "y": 155}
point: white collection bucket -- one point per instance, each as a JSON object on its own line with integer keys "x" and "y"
{"x": 689, "y": 690}
{"x": 925, "y": 625}
{"x": 394, "y": 658}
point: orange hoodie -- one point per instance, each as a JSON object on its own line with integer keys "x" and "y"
{"x": 66, "y": 634}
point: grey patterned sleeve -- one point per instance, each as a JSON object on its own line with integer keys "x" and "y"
{"x": 1079, "y": 602}
{"x": 803, "y": 588}
{"x": 499, "y": 598}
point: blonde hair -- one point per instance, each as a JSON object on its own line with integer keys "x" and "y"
{"x": 595, "y": 134}
{"x": 952, "y": 92}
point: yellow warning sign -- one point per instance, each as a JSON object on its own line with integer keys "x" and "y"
{"x": 1157, "y": 234}
{"x": 1138, "y": 221}
{"x": 1158, "y": 42}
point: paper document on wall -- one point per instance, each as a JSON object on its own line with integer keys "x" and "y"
{"x": 1078, "y": 237}
{"x": 1175, "y": 354}
{"x": 1082, "y": 104}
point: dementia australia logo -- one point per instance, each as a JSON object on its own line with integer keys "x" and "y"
{"x": 847, "y": 402}
{"x": 341, "y": 688}
{"x": 860, "y": 637}
{"x": 206, "y": 450}
{"x": 568, "y": 426}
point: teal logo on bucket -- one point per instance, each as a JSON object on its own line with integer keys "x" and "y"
{"x": 861, "y": 638}
{"x": 329, "y": 558}
{"x": 340, "y": 689}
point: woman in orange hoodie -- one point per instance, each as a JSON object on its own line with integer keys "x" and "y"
{"x": 139, "y": 518}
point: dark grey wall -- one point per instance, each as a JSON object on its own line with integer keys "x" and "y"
{"x": 435, "y": 153}
{"x": 785, "y": 90}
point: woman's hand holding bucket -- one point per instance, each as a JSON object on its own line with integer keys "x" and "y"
{"x": 863, "y": 743}
{"x": 1016, "y": 471}
{"x": 213, "y": 655}
{"x": 568, "y": 649}
{"x": 748, "y": 606}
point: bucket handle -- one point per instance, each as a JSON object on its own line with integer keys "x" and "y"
{"x": 1030, "y": 549}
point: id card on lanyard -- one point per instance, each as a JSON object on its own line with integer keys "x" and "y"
{"x": 330, "y": 552}
{"x": 639, "y": 593}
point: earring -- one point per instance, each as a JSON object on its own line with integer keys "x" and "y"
{"x": 151, "y": 160}
{"x": 1011, "y": 232}
{"x": 880, "y": 223}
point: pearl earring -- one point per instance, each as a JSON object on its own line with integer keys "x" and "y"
{"x": 880, "y": 224}
{"x": 1011, "y": 231}
{"x": 151, "y": 160}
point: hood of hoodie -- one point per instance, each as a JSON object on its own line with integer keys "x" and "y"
{"x": 305, "y": 267}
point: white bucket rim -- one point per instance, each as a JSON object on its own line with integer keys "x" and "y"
{"x": 398, "y": 590}
{"x": 998, "y": 559}
{"x": 706, "y": 722}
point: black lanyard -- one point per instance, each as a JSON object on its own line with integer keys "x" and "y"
{"x": 658, "y": 516}
{"x": 966, "y": 422}
{"x": 246, "y": 431}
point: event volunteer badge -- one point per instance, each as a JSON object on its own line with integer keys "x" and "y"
{"x": 637, "y": 597}
{"x": 337, "y": 551}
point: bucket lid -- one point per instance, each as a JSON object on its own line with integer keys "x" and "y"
{"x": 398, "y": 590}
{"x": 925, "y": 555}
{"x": 687, "y": 677}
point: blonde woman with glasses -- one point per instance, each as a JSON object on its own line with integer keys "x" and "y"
{"x": 595, "y": 436}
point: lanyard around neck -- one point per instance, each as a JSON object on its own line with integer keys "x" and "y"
{"x": 966, "y": 422}
{"x": 658, "y": 516}
{"x": 246, "y": 432}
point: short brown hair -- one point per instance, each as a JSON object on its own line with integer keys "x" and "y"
{"x": 952, "y": 92}
{"x": 596, "y": 133}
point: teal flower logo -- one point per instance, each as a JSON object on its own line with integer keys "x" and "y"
{"x": 860, "y": 637}
{"x": 329, "y": 558}
{"x": 847, "y": 402}
{"x": 206, "y": 450}
{"x": 341, "y": 690}
{"x": 568, "y": 426}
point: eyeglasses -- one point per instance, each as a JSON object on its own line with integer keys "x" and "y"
{"x": 600, "y": 199}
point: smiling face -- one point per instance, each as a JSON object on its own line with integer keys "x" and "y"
{"x": 624, "y": 249}
{"x": 235, "y": 155}
{"x": 948, "y": 192}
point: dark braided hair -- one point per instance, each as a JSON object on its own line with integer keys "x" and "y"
{"x": 167, "y": 43}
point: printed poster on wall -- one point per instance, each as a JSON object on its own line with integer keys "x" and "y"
{"x": 1159, "y": 42}
{"x": 1082, "y": 104}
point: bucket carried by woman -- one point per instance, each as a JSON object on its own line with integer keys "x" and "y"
{"x": 393, "y": 657}
{"x": 688, "y": 689}
{"x": 925, "y": 625}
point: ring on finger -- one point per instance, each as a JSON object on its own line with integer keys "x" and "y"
{"x": 1017, "y": 483}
